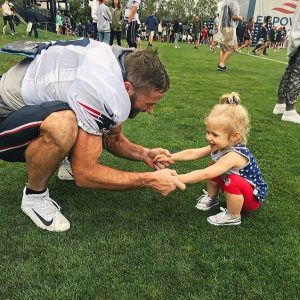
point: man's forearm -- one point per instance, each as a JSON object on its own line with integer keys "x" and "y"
{"x": 119, "y": 146}
{"x": 103, "y": 177}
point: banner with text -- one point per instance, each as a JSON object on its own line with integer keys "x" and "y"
{"x": 282, "y": 11}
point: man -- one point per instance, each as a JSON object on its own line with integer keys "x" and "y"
{"x": 32, "y": 18}
{"x": 178, "y": 30}
{"x": 214, "y": 41}
{"x": 96, "y": 88}
{"x": 197, "y": 29}
{"x": 7, "y": 17}
{"x": 131, "y": 16}
{"x": 289, "y": 86}
{"x": 228, "y": 19}
{"x": 151, "y": 23}
{"x": 93, "y": 4}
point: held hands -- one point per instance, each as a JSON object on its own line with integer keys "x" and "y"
{"x": 151, "y": 158}
{"x": 165, "y": 181}
{"x": 164, "y": 159}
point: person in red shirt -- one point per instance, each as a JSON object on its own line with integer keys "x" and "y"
{"x": 203, "y": 34}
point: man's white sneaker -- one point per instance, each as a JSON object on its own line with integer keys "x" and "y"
{"x": 205, "y": 202}
{"x": 44, "y": 211}
{"x": 279, "y": 109}
{"x": 224, "y": 218}
{"x": 65, "y": 171}
{"x": 291, "y": 116}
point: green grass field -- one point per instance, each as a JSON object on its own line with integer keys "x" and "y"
{"x": 139, "y": 245}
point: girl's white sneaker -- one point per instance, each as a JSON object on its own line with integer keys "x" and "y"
{"x": 224, "y": 218}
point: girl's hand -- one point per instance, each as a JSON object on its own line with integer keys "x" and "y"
{"x": 163, "y": 158}
{"x": 151, "y": 161}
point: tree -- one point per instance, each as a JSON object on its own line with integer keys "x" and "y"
{"x": 79, "y": 11}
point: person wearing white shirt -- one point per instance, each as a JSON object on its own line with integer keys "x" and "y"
{"x": 132, "y": 18}
{"x": 71, "y": 100}
{"x": 93, "y": 4}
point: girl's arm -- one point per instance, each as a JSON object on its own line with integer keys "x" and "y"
{"x": 185, "y": 155}
{"x": 228, "y": 161}
{"x": 191, "y": 154}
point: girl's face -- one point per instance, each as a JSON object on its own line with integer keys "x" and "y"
{"x": 116, "y": 2}
{"x": 217, "y": 136}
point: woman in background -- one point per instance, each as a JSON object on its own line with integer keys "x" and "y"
{"x": 116, "y": 23}
{"x": 247, "y": 36}
{"x": 103, "y": 22}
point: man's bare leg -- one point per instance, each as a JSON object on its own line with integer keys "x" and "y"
{"x": 224, "y": 57}
{"x": 43, "y": 155}
{"x": 58, "y": 134}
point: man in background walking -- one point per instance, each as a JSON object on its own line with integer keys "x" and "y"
{"x": 32, "y": 20}
{"x": 151, "y": 23}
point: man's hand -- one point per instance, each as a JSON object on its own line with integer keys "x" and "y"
{"x": 150, "y": 156}
{"x": 163, "y": 181}
{"x": 162, "y": 158}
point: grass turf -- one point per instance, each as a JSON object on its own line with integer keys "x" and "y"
{"x": 138, "y": 245}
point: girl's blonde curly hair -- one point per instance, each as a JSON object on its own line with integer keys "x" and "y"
{"x": 237, "y": 115}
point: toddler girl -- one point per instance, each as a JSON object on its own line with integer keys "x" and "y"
{"x": 234, "y": 168}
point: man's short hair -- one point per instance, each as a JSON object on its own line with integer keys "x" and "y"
{"x": 146, "y": 72}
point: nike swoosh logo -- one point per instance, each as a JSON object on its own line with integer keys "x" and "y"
{"x": 70, "y": 173}
{"x": 45, "y": 222}
{"x": 111, "y": 115}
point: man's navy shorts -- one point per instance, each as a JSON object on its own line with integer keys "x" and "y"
{"x": 19, "y": 128}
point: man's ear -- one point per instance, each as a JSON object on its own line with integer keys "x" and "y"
{"x": 129, "y": 88}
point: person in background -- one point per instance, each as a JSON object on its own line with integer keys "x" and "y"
{"x": 289, "y": 87}
{"x": 159, "y": 31}
{"x": 177, "y": 30}
{"x": 264, "y": 38}
{"x": 215, "y": 34}
{"x": 197, "y": 29}
{"x": 228, "y": 19}
{"x": 59, "y": 23}
{"x": 7, "y": 17}
{"x": 204, "y": 35}
{"x": 132, "y": 18}
{"x": 32, "y": 18}
{"x": 116, "y": 23}
{"x": 273, "y": 38}
{"x": 277, "y": 39}
{"x": 68, "y": 26}
{"x": 151, "y": 23}
{"x": 103, "y": 22}
{"x": 240, "y": 31}
{"x": 80, "y": 29}
{"x": 93, "y": 4}
{"x": 164, "y": 33}
{"x": 247, "y": 36}
{"x": 89, "y": 29}
{"x": 234, "y": 168}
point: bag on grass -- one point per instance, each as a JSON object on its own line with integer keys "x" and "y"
{"x": 29, "y": 27}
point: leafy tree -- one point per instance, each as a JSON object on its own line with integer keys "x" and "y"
{"x": 79, "y": 11}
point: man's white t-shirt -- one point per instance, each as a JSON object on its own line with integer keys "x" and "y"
{"x": 88, "y": 78}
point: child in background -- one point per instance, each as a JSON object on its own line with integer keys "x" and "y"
{"x": 234, "y": 168}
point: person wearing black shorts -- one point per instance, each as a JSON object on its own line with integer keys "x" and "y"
{"x": 53, "y": 106}
{"x": 247, "y": 36}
